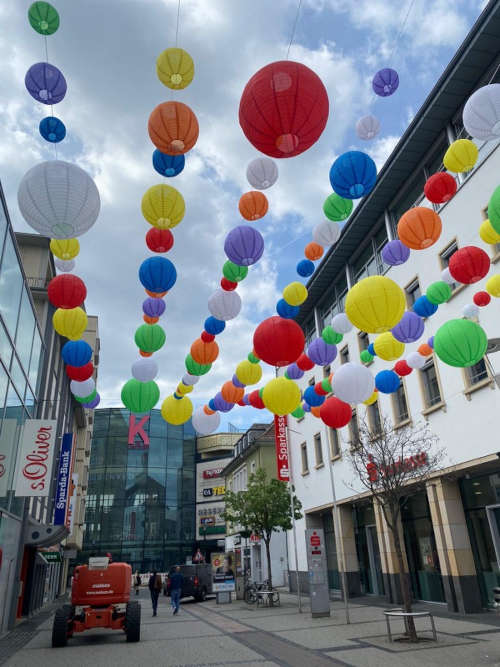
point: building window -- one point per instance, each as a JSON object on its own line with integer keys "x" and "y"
{"x": 253, "y": 467}
{"x": 363, "y": 341}
{"x": 334, "y": 440}
{"x": 311, "y": 382}
{"x": 303, "y": 454}
{"x": 400, "y": 404}
{"x": 412, "y": 196}
{"x": 444, "y": 258}
{"x": 412, "y": 292}
{"x": 344, "y": 354}
{"x": 354, "y": 429}
{"x": 336, "y": 305}
{"x": 369, "y": 262}
{"x": 318, "y": 450}
{"x": 326, "y": 371}
{"x": 374, "y": 419}
{"x": 309, "y": 332}
{"x": 477, "y": 373}
{"x": 432, "y": 392}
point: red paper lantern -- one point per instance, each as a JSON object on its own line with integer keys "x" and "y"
{"x": 304, "y": 363}
{"x": 278, "y": 341}
{"x": 469, "y": 264}
{"x": 228, "y": 285}
{"x": 319, "y": 389}
{"x": 80, "y": 373}
{"x": 242, "y": 403}
{"x": 481, "y": 298}
{"x": 283, "y": 109}
{"x": 159, "y": 240}
{"x": 255, "y": 400}
{"x": 207, "y": 337}
{"x": 440, "y": 187}
{"x": 402, "y": 368}
{"x": 66, "y": 291}
{"x": 335, "y": 413}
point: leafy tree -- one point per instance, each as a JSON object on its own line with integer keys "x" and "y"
{"x": 263, "y": 508}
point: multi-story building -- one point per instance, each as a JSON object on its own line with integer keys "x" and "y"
{"x": 451, "y": 536}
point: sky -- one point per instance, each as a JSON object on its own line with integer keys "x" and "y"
{"x": 107, "y": 51}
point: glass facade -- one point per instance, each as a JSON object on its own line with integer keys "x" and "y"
{"x": 141, "y": 500}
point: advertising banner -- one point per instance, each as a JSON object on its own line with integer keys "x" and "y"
{"x": 63, "y": 479}
{"x": 222, "y": 572}
{"x": 35, "y": 458}
{"x": 70, "y": 519}
{"x": 280, "y": 437}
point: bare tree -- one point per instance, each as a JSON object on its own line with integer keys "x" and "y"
{"x": 393, "y": 464}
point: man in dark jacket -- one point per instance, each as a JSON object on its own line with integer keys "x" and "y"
{"x": 176, "y": 581}
{"x": 154, "y": 588}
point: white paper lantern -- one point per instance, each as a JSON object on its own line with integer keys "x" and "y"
{"x": 416, "y": 360}
{"x": 205, "y": 424}
{"x": 353, "y": 383}
{"x": 481, "y": 114}
{"x": 58, "y": 199}
{"x": 189, "y": 379}
{"x": 145, "y": 369}
{"x": 341, "y": 323}
{"x": 82, "y": 389}
{"x": 64, "y": 265}
{"x": 262, "y": 173}
{"x": 447, "y": 277}
{"x": 326, "y": 233}
{"x": 367, "y": 127}
{"x": 224, "y": 305}
{"x": 470, "y": 310}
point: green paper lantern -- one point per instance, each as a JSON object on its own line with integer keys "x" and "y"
{"x": 326, "y": 385}
{"x": 233, "y": 272}
{"x": 286, "y": 375}
{"x": 150, "y": 337}
{"x": 194, "y": 368}
{"x": 140, "y": 397}
{"x": 494, "y": 210}
{"x": 337, "y": 208}
{"x": 330, "y": 336}
{"x": 43, "y": 18}
{"x": 438, "y": 292}
{"x": 253, "y": 359}
{"x": 366, "y": 357}
{"x": 298, "y": 413}
{"x": 86, "y": 399}
{"x": 460, "y": 343}
{"x": 261, "y": 391}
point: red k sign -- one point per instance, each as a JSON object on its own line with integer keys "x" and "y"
{"x": 280, "y": 437}
{"x": 137, "y": 429}
{"x": 35, "y": 457}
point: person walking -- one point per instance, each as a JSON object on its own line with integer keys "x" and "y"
{"x": 176, "y": 581}
{"x": 137, "y": 582}
{"x": 154, "y": 588}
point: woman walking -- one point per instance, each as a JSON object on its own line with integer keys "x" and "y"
{"x": 154, "y": 588}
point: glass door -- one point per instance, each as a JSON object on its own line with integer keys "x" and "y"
{"x": 375, "y": 565}
{"x": 493, "y": 514}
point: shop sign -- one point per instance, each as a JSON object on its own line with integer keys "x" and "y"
{"x": 214, "y": 491}
{"x": 70, "y": 519}
{"x": 63, "y": 480}
{"x": 137, "y": 429}
{"x": 35, "y": 458}
{"x": 51, "y": 556}
{"x": 280, "y": 438}
{"x": 212, "y": 472}
{"x": 254, "y": 538}
{"x": 207, "y": 520}
{"x": 410, "y": 463}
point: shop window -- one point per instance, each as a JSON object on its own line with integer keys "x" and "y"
{"x": 430, "y": 384}
{"x": 303, "y": 455}
{"x": 400, "y": 404}
{"x": 318, "y": 450}
{"x": 412, "y": 292}
{"x": 334, "y": 441}
{"x": 374, "y": 421}
{"x": 344, "y": 354}
{"x": 354, "y": 429}
{"x": 477, "y": 373}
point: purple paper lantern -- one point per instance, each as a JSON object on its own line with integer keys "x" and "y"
{"x": 395, "y": 253}
{"x": 306, "y": 407}
{"x": 221, "y": 405}
{"x": 430, "y": 342}
{"x": 153, "y": 307}
{"x": 321, "y": 353}
{"x": 45, "y": 83}
{"x": 294, "y": 372}
{"x": 237, "y": 383}
{"x": 246, "y": 399}
{"x": 94, "y": 403}
{"x": 244, "y": 245}
{"x": 385, "y": 82}
{"x": 409, "y": 328}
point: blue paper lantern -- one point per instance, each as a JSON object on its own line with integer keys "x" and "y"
{"x": 287, "y": 311}
{"x": 353, "y": 175}
{"x": 387, "y": 382}
{"x": 424, "y": 307}
{"x": 214, "y": 326}
{"x": 305, "y": 268}
{"x": 211, "y": 405}
{"x": 76, "y": 353}
{"x": 371, "y": 350}
{"x": 157, "y": 274}
{"x": 52, "y": 129}
{"x": 312, "y": 398}
{"x": 168, "y": 165}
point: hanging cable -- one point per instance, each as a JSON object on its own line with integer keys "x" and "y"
{"x": 177, "y": 26}
{"x": 293, "y": 29}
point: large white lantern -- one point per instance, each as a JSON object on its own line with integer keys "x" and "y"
{"x": 82, "y": 389}
{"x": 341, "y": 323}
{"x": 326, "y": 233}
{"x": 481, "y": 114}
{"x": 470, "y": 311}
{"x": 367, "y": 127}
{"x": 224, "y": 305}
{"x": 447, "y": 277}
{"x": 262, "y": 173}
{"x": 353, "y": 383}
{"x": 58, "y": 199}
{"x": 145, "y": 369}
{"x": 205, "y": 424}
{"x": 64, "y": 265}
{"x": 416, "y": 360}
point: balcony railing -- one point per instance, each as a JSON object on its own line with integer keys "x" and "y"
{"x": 37, "y": 282}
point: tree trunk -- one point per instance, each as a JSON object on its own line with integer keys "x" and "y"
{"x": 267, "y": 541}
{"x": 404, "y": 583}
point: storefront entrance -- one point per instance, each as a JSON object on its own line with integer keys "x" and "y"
{"x": 370, "y": 567}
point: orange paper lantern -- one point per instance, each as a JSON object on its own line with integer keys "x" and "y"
{"x": 425, "y": 350}
{"x": 204, "y": 353}
{"x": 231, "y": 393}
{"x": 207, "y": 410}
{"x": 253, "y": 205}
{"x": 150, "y": 320}
{"x": 173, "y": 128}
{"x": 313, "y": 250}
{"x": 145, "y": 354}
{"x": 155, "y": 295}
{"x": 419, "y": 228}
{"x": 315, "y": 410}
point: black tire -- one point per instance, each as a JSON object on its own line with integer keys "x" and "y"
{"x": 201, "y": 596}
{"x": 61, "y": 627}
{"x": 133, "y": 621}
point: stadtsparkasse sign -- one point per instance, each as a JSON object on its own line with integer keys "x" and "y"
{"x": 35, "y": 457}
{"x": 280, "y": 438}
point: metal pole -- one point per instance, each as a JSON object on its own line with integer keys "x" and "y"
{"x": 294, "y": 531}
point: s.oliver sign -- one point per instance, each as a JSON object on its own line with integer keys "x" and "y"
{"x": 280, "y": 436}
{"x": 35, "y": 457}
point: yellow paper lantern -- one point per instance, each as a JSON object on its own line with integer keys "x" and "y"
{"x": 248, "y": 373}
{"x": 375, "y": 304}
{"x": 281, "y": 396}
{"x": 175, "y": 68}
{"x": 493, "y": 285}
{"x": 372, "y": 399}
{"x": 163, "y": 206}
{"x": 65, "y": 248}
{"x": 295, "y": 293}
{"x": 183, "y": 389}
{"x": 70, "y": 322}
{"x": 488, "y": 234}
{"x": 387, "y": 347}
{"x": 461, "y": 156}
{"x": 176, "y": 411}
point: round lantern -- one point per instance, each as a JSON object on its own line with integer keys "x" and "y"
{"x": 286, "y": 310}
{"x": 173, "y": 128}
{"x": 255, "y": 400}
{"x": 157, "y": 274}
{"x": 224, "y": 305}
{"x": 248, "y": 373}
{"x": 149, "y": 337}
{"x": 460, "y": 343}
{"x": 64, "y": 265}
{"x": 66, "y": 291}
{"x": 387, "y": 382}
{"x": 305, "y": 268}
{"x": 481, "y": 298}
{"x": 168, "y": 165}
{"x": 52, "y": 129}
{"x": 214, "y": 326}
{"x": 353, "y": 175}
{"x": 402, "y": 368}
{"x": 153, "y": 307}
{"x": 409, "y": 328}
{"x": 278, "y": 342}
{"x": 176, "y": 411}
{"x": 244, "y": 245}
{"x": 93, "y": 403}
{"x": 493, "y": 285}
{"x": 488, "y": 234}
{"x": 312, "y": 398}
{"x": 385, "y": 82}
{"x": 387, "y": 347}
{"x": 481, "y": 114}
{"x": 84, "y": 388}
{"x": 295, "y": 293}
{"x": 45, "y": 83}
{"x": 193, "y": 368}
{"x": 58, "y": 199}
{"x": 228, "y": 285}
{"x": 337, "y": 208}
{"x": 86, "y": 400}
{"x": 189, "y": 379}
{"x": 470, "y": 311}
{"x": 294, "y": 372}
{"x": 326, "y": 233}
{"x": 415, "y": 360}
{"x": 175, "y": 68}
{"x": 446, "y": 276}
{"x": 204, "y": 353}
{"x": 304, "y": 363}
{"x": 438, "y": 292}
{"x": 461, "y": 156}
{"x": 298, "y": 413}
{"x": 424, "y": 307}
{"x": 419, "y": 228}
{"x": 367, "y": 127}
{"x": 70, "y": 323}
{"x": 144, "y": 370}
{"x": 395, "y": 253}
{"x": 366, "y": 357}
{"x": 220, "y": 404}
{"x": 425, "y": 350}
{"x": 321, "y": 353}
{"x": 440, "y": 187}
{"x": 372, "y": 399}
{"x": 163, "y": 206}
{"x": 330, "y": 336}
{"x": 375, "y": 304}
{"x": 313, "y": 251}
{"x": 353, "y": 383}
{"x": 65, "y": 248}
{"x": 494, "y": 210}
{"x": 76, "y": 353}
{"x": 341, "y": 323}
{"x": 253, "y": 205}
{"x": 281, "y": 396}
{"x": 159, "y": 240}
{"x": 231, "y": 393}
{"x": 205, "y": 424}
{"x": 80, "y": 373}
{"x": 233, "y": 272}
{"x": 262, "y": 173}
{"x": 283, "y": 109}
{"x": 469, "y": 264}
{"x": 43, "y": 18}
